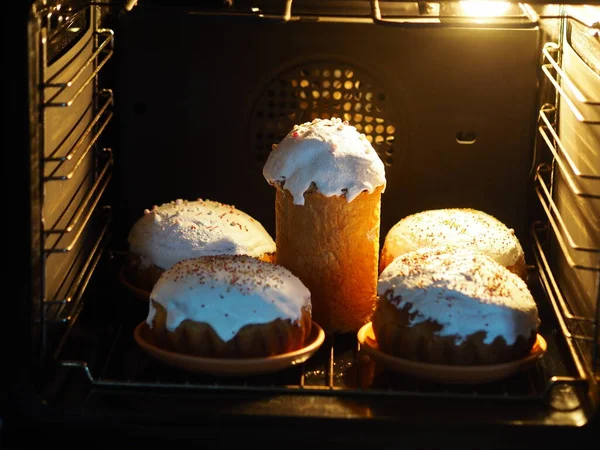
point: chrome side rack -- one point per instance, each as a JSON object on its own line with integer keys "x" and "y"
{"x": 568, "y": 189}
{"x": 75, "y": 165}
{"x": 105, "y": 48}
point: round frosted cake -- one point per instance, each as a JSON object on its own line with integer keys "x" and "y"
{"x": 184, "y": 229}
{"x": 463, "y": 227}
{"x": 453, "y": 306}
{"x": 229, "y": 306}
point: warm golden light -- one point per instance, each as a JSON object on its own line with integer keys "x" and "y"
{"x": 483, "y": 8}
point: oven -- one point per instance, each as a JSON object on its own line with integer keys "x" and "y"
{"x": 118, "y": 106}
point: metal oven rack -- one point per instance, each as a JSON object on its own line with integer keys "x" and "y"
{"x": 553, "y": 235}
{"x": 338, "y": 368}
{"x": 74, "y": 170}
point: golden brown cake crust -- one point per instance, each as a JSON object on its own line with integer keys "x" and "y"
{"x": 251, "y": 341}
{"x": 333, "y": 246}
{"x": 420, "y": 342}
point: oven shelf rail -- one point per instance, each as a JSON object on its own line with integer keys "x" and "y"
{"x": 88, "y": 137}
{"x": 583, "y": 182}
{"x": 570, "y": 324}
{"x": 76, "y": 168}
{"x": 104, "y": 49}
{"x": 560, "y": 79}
{"x": 65, "y": 308}
{"x": 561, "y": 155}
{"x": 319, "y": 376}
{"x": 557, "y": 222}
{"x": 568, "y": 189}
{"x": 83, "y": 213}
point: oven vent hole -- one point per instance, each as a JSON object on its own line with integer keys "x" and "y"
{"x": 322, "y": 91}
{"x": 466, "y": 137}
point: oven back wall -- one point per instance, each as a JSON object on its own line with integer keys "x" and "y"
{"x": 200, "y": 100}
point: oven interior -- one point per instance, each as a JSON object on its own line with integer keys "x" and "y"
{"x": 136, "y": 104}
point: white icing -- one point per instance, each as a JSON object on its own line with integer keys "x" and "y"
{"x": 329, "y": 153}
{"x": 457, "y": 226}
{"x": 462, "y": 290}
{"x": 228, "y": 292}
{"x": 188, "y": 229}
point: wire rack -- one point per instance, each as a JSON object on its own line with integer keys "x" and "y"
{"x": 556, "y": 235}
{"x": 76, "y": 169}
{"x": 338, "y": 368}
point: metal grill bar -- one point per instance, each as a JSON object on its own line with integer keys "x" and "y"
{"x": 554, "y": 294}
{"x": 551, "y": 46}
{"x": 408, "y": 391}
{"x": 551, "y": 209}
{"x": 84, "y": 136}
{"x": 83, "y": 118}
{"x": 65, "y": 85}
{"x": 54, "y": 310}
{"x": 328, "y": 376}
{"x": 553, "y": 148}
{"x": 331, "y": 365}
{"x": 559, "y": 237}
{"x": 84, "y": 210}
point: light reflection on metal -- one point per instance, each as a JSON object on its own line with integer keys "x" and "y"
{"x": 484, "y": 8}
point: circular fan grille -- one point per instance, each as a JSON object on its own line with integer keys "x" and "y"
{"x": 322, "y": 91}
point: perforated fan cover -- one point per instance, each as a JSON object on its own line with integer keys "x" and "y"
{"x": 322, "y": 90}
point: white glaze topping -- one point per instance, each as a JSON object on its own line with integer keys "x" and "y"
{"x": 228, "y": 292}
{"x": 329, "y": 153}
{"x": 458, "y": 226}
{"x": 185, "y": 229}
{"x": 462, "y": 290}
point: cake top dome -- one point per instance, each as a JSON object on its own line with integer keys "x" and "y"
{"x": 464, "y": 227}
{"x": 328, "y": 154}
{"x": 184, "y": 229}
